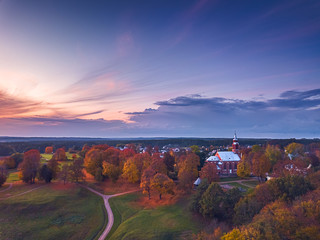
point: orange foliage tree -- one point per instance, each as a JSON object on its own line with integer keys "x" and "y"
{"x": 188, "y": 171}
{"x": 48, "y": 150}
{"x": 60, "y": 155}
{"x": 30, "y": 165}
{"x": 162, "y": 184}
{"x": 210, "y": 172}
{"x": 260, "y": 165}
{"x": 146, "y": 178}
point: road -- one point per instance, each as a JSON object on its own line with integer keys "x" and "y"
{"x": 108, "y": 208}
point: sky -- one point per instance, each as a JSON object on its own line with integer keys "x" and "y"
{"x": 160, "y": 68}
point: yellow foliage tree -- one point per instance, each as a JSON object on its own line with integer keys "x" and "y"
{"x": 130, "y": 171}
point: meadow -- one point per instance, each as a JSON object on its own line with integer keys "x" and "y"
{"x": 53, "y": 211}
{"x": 133, "y": 221}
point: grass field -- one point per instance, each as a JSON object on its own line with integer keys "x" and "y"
{"x": 166, "y": 222}
{"x": 239, "y": 185}
{"x": 51, "y": 212}
{"x": 251, "y": 183}
{"x": 229, "y": 179}
{"x": 13, "y": 177}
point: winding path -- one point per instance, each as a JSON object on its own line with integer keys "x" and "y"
{"x": 10, "y": 186}
{"x": 108, "y": 208}
{"x": 19, "y": 194}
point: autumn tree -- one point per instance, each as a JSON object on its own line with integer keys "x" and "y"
{"x": 53, "y": 165}
{"x": 64, "y": 174}
{"x": 30, "y": 165}
{"x": 256, "y": 148}
{"x": 10, "y": 162}
{"x": 260, "y": 165}
{"x": 60, "y": 155}
{"x": 112, "y": 171}
{"x": 76, "y": 170}
{"x": 243, "y": 169}
{"x": 168, "y": 160}
{"x": 188, "y": 171}
{"x": 273, "y": 153}
{"x": 158, "y": 165}
{"x": 210, "y": 172}
{"x": 146, "y": 178}
{"x": 48, "y": 150}
{"x": 130, "y": 171}
{"x": 295, "y": 149}
{"x": 93, "y": 162}
{"x": 162, "y": 184}
{"x": 18, "y": 158}
{"x": 3, "y": 174}
{"x": 124, "y": 155}
{"x": 111, "y": 155}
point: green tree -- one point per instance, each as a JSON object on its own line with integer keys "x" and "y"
{"x": 212, "y": 201}
{"x": 195, "y": 199}
{"x": 45, "y": 173}
{"x": 3, "y": 174}
{"x": 195, "y": 148}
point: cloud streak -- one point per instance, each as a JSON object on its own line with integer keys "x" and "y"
{"x": 292, "y": 114}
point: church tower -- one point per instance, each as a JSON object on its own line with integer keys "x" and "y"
{"x": 235, "y": 144}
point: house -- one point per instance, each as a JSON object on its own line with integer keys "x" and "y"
{"x": 227, "y": 161}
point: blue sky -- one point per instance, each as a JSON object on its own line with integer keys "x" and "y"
{"x": 160, "y": 68}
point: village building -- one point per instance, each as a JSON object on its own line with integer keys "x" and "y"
{"x": 227, "y": 161}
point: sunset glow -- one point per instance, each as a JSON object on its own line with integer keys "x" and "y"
{"x": 158, "y": 68}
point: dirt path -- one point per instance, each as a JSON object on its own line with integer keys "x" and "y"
{"x": 10, "y": 186}
{"x": 240, "y": 182}
{"x": 19, "y": 194}
{"x": 108, "y": 208}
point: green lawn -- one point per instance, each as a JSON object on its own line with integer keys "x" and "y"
{"x": 239, "y": 185}
{"x": 251, "y": 183}
{"x": 165, "y": 222}
{"x": 49, "y": 213}
{"x": 229, "y": 179}
{"x": 13, "y": 176}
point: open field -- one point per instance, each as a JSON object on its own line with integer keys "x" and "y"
{"x": 13, "y": 176}
{"x": 132, "y": 221}
{"x": 53, "y": 211}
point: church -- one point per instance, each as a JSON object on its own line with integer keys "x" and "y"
{"x": 227, "y": 161}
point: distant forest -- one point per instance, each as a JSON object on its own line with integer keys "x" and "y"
{"x": 9, "y": 145}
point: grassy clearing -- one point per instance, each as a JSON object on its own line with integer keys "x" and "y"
{"x": 251, "y": 183}
{"x": 229, "y": 179}
{"x": 13, "y": 177}
{"x": 239, "y": 185}
{"x": 52, "y": 212}
{"x": 165, "y": 222}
